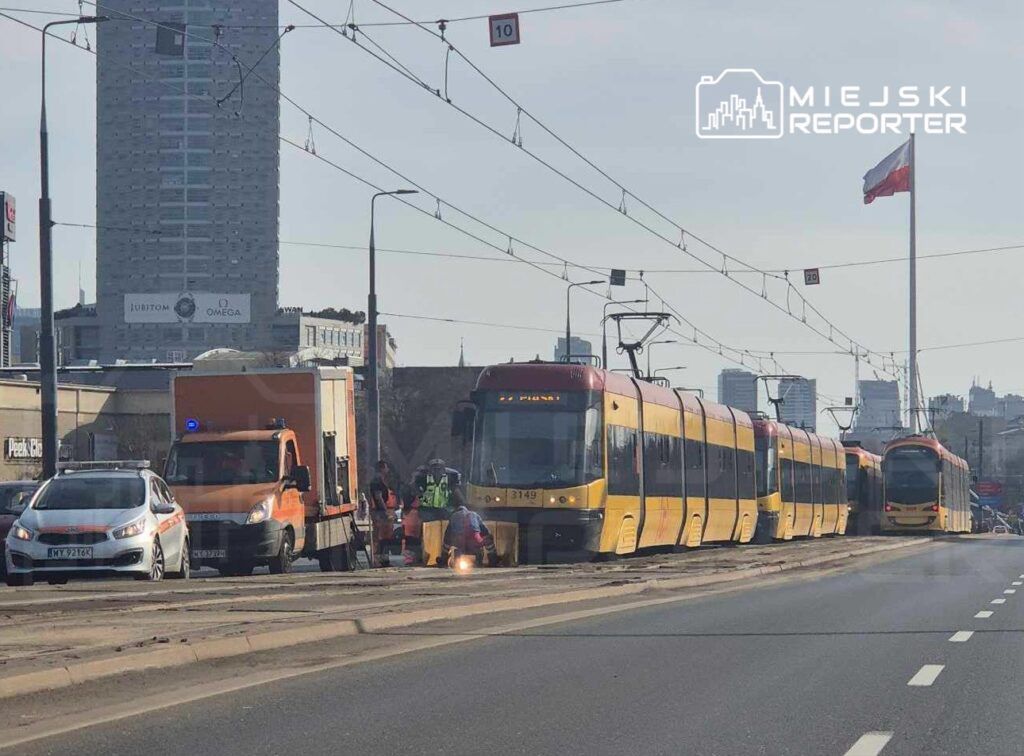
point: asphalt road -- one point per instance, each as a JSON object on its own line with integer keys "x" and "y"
{"x": 860, "y": 660}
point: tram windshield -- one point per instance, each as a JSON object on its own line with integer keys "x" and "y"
{"x": 535, "y": 439}
{"x": 911, "y": 475}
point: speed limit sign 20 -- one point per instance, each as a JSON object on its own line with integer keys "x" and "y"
{"x": 504, "y": 29}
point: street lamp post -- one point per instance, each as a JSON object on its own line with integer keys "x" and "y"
{"x": 604, "y": 327}
{"x": 666, "y": 369}
{"x": 568, "y": 328}
{"x": 372, "y": 381}
{"x": 648, "y": 348}
{"x": 47, "y": 343}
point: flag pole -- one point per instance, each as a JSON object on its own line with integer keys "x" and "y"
{"x": 912, "y": 378}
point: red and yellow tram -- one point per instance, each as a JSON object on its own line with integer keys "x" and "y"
{"x": 587, "y": 461}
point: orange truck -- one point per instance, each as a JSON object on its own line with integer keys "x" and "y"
{"x": 264, "y": 465}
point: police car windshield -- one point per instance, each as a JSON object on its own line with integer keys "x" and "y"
{"x": 73, "y": 492}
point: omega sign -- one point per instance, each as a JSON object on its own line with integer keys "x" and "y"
{"x": 186, "y": 307}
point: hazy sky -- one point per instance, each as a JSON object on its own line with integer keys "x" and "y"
{"x": 617, "y": 82}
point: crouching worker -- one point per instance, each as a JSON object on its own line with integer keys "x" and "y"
{"x": 468, "y": 534}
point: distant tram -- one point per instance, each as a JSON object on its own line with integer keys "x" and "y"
{"x": 801, "y": 487}
{"x": 587, "y": 461}
{"x": 927, "y": 488}
{"x": 863, "y": 490}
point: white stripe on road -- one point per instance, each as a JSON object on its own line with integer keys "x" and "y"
{"x": 1017, "y": 582}
{"x": 869, "y": 744}
{"x": 961, "y": 636}
{"x": 983, "y": 615}
{"x": 998, "y": 601}
{"x": 926, "y": 675}
{"x": 1010, "y": 591}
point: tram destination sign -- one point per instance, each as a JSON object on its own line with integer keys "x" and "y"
{"x": 531, "y": 397}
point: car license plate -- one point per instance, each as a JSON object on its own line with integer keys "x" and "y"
{"x": 209, "y": 553}
{"x": 69, "y": 552}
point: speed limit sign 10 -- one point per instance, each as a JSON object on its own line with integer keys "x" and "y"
{"x": 504, "y": 29}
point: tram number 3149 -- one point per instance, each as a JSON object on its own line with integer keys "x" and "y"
{"x": 504, "y": 29}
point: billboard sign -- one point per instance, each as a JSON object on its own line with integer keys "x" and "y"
{"x": 990, "y": 493}
{"x": 22, "y": 448}
{"x": 8, "y": 207}
{"x": 187, "y": 307}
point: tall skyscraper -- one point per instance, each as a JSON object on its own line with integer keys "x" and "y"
{"x": 799, "y": 402}
{"x": 187, "y": 177}
{"x": 738, "y": 388}
{"x": 879, "y": 405}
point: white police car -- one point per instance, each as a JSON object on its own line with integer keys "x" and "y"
{"x": 99, "y": 519}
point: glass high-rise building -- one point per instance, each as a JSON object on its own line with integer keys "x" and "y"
{"x": 187, "y": 177}
{"x": 799, "y": 402}
{"x": 738, "y": 388}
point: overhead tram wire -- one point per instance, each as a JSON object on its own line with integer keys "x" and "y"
{"x": 564, "y": 6}
{"x": 718, "y": 347}
{"x": 590, "y": 268}
{"x": 406, "y": 74}
{"x": 458, "y": 321}
{"x": 833, "y": 330}
{"x": 625, "y": 191}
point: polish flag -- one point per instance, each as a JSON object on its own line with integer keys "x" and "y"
{"x": 890, "y": 176}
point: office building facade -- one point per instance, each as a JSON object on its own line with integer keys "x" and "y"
{"x": 738, "y": 388}
{"x": 580, "y": 351}
{"x": 799, "y": 402}
{"x": 879, "y": 405}
{"x": 187, "y": 177}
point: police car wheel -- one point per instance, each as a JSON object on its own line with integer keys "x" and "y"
{"x": 185, "y": 570}
{"x": 156, "y": 565}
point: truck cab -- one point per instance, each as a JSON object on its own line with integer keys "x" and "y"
{"x": 263, "y": 462}
{"x": 242, "y": 494}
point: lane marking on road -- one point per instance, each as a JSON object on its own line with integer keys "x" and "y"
{"x": 926, "y": 675}
{"x": 983, "y": 615}
{"x": 961, "y": 636}
{"x": 998, "y": 601}
{"x": 869, "y": 744}
{"x": 1017, "y": 582}
{"x": 1010, "y": 591}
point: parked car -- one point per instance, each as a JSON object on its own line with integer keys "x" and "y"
{"x": 14, "y": 495}
{"x": 99, "y": 519}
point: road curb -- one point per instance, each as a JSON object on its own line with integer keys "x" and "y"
{"x": 222, "y": 648}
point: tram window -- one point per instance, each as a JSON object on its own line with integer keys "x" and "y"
{"x": 788, "y": 491}
{"x": 694, "y": 468}
{"x": 745, "y": 460}
{"x": 623, "y": 475}
{"x": 816, "y": 488}
{"x": 803, "y": 481}
{"x": 663, "y": 465}
{"x": 721, "y": 472}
